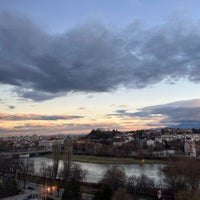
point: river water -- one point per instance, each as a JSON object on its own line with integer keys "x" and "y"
{"x": 96, "y": 171}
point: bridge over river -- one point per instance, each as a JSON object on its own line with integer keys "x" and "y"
{"x": 18, "y": 154}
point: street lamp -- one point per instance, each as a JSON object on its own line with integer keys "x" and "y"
{"x": 47, "y": 190}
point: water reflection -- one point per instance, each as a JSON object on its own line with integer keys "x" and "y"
{"x": 96, "y": 171}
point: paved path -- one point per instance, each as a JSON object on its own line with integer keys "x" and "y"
{"x": 20, "y": 196}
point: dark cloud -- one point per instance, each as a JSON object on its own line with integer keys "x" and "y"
{"x": 19, "y": 117}
{"x": 182, "y": 114}
{"x": 121, "y": 111}
{"x": 82, "y": 108}
{"x": 30, "y": 129}
{"x": 34, "y": 94}
{"x": 11, "y": 107}
{"x": 95, "y": 58}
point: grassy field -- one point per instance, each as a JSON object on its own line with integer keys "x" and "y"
{"x": 109, "y": 160}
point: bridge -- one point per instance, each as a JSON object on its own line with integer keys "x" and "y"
{"x": 18, "y": 154}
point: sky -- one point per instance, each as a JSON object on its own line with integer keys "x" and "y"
{"x": 70, "y": 66}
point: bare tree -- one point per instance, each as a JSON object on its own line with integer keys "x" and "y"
{"x": 121, "y": 194}
{"x": 132, "y": 184}
{"x": 190, "y": 170}
{"x": 76, "y": 173}
{"x": 9, "y": 166}
{"x": 145, "y": 185}
{"x": 115, "y": 177}
{"x": 72, "y": 190}
{"x": 141, "y": 185}
{"x": 26, "y": 167}
{"x": 183, "y": 175}
{"x": 8, "y": 171}
{"x": 45, "y": 170}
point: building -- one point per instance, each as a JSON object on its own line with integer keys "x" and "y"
{"x": 190, "y": 147}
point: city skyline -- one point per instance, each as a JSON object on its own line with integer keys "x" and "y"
{"x": 73, "y": 66}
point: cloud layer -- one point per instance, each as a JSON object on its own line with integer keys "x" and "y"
{"x": 25, "y": 117}
{"x": 94, "y": 57}
{"x": 180, "y": 114}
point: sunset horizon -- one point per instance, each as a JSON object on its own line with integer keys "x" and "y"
{"x": 74, "y": 66}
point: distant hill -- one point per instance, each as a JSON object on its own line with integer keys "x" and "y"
{"x": 186, "y": 125}
{"x": 101, "y": 134}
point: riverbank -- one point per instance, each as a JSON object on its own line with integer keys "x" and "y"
{"x": 109, "y": 160}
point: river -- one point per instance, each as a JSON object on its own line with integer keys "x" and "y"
{"x": 96, "y": 171}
